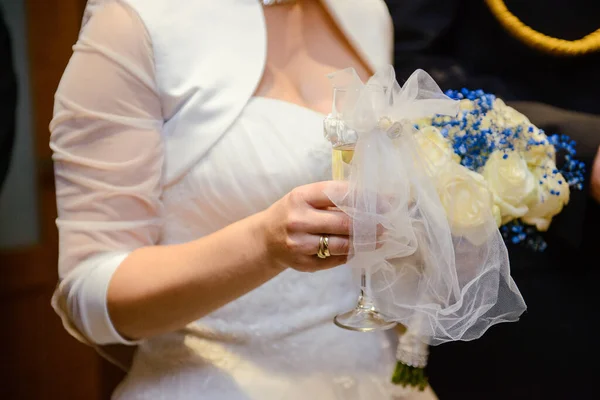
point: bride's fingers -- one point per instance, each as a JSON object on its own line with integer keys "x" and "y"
{"x": 328, "y": 223}
{"x": 331, "y": 223}
{"x": 318, "y": 195}
{"x": 337, "y": 245}
{"x": 308, "y": 245}
{"x": 311, "y": 263}
{"x": 331, "y": 262}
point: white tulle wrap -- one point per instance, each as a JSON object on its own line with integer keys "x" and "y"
{"x": 441, "y": 267}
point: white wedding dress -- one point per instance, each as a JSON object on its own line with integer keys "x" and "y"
{"x": 278, "y": 341}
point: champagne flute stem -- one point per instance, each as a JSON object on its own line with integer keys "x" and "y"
{"x": 364, "y": 301}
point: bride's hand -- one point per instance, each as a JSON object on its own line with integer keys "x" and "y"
{"x": 294, "y": 225}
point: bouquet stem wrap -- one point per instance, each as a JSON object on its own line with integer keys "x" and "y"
{"x": 441, "y": 267}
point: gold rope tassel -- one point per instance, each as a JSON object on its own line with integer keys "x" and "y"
{"x": 587, "y": 44}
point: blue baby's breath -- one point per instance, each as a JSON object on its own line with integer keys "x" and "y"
{"x": 516, "y": 232}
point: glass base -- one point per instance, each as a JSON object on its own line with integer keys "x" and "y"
{"x": 363, "y": 321}
{"x": 364, "y": 318}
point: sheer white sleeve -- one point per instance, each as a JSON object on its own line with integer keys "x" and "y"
{"x": 108, "y": 158}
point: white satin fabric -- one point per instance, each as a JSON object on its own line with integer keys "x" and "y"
{"x": 110, "y": 149}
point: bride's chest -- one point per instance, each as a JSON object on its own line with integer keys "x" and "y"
{"x": 304, "y": 45}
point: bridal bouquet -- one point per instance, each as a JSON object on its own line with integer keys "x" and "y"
{"x": 418, "y": 173}
{"x": 515, "y": 160}
{"x": 515, "y": 166}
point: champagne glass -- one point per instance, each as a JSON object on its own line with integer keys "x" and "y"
{"x": 364, "y": 317}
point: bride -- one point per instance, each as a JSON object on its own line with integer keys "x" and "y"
{"x": 190, "y": 175}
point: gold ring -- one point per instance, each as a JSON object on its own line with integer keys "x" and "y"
{"x": 323, "y": 251}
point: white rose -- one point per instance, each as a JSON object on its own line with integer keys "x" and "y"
{"x": 496, "y": 114}
{"x": 538, "y": 149}
{"x": 494, "y": 120}
{"x": 510, "y": 116}
{"x": 468, "y": 203}
{"x": 487, "y": 121}
{"x": 514, "y": 118}
{"x": 553, "y": 195}
{"x": 499, "y": 104}
{"x": 497, "y": 215}
{"x": 511, "y": 182}
{"x": 435, "y": 148}
{"x": 466, "y": 105}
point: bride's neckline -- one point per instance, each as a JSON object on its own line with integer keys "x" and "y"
{"x": 287, "y": 104}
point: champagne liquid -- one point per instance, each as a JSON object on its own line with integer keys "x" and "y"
{"x": 341, "y": 161}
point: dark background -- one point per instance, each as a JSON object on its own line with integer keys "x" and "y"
{"x": 38, "y": 359}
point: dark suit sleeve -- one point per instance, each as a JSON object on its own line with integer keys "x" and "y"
{"x": 8, "y": 100}
{"x": 418, "y": 25}
{"x": 422, "y": 32}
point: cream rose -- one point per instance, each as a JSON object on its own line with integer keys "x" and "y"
{"x": 511, "y": 183}
{"x": 552, "y": 195}
{"x": 499, "y": 104}
{"x": 488, "y": 120}
{"x": 538, "y": 149}
{"x": 511, "y": 116}
{"x": 435, "y": 148}
{"x": 468, "y": 203}
{"x": 497, "y": 215}
{"x": 466, "y": 105}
